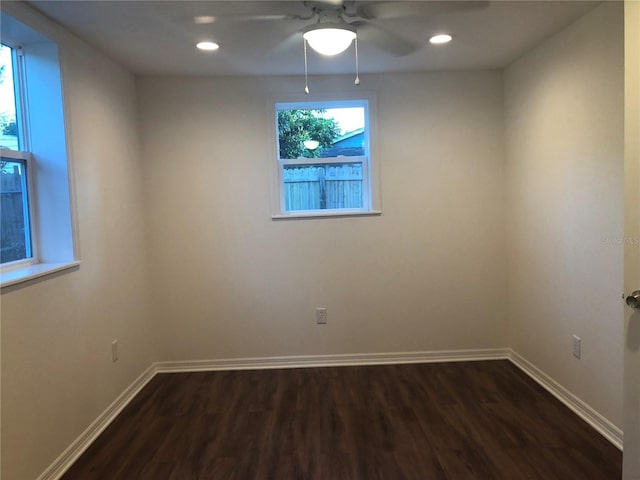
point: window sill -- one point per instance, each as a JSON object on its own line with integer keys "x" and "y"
{"x": 32, "y": 272}
{"x": 330, "y": 214}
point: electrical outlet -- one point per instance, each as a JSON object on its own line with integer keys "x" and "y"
{"x": 114, "y": 351}
{"x": 321, "y": 315}
{"x": 576, "y": 346}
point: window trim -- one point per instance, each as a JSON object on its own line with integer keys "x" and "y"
{"x": 22, "y": 100}
{"x": 24, "y": 155}
{"x": 52, "y": 201}
{"x": 370, "y": 181}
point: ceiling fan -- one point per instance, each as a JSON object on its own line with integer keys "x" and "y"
{"x": 345, "y": 18}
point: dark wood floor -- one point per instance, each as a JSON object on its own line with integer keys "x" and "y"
{"x": 453, "y": 421}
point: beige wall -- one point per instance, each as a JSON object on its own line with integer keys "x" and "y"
{"x": 429, "y": 274}
{"x": 564, "y": 138}
{"x": 57, "y": 374}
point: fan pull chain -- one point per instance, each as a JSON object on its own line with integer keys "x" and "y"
{"x": 306, "y": 75}
{"x": 357, "y": 82}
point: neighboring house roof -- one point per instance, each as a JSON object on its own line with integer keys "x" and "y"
{"x": 351, "y": 144}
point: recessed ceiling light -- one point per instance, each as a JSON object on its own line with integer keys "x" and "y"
{"x": 441, "y": 38}
{"x": 203, "y": 19}
{"x": 208, "y": 46}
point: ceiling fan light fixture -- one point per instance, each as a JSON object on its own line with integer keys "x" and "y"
{"x": 329, "y": 38}
{"x": 440, "y": 38}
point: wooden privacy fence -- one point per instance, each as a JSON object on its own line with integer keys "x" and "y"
{"x": 12, "y": 235}
{"x": 319, "y": 187}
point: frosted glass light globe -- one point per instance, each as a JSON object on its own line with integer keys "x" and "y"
{"x": 328, "y": 40}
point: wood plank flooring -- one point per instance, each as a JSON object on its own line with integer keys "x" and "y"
{"x": 446, "y": 421}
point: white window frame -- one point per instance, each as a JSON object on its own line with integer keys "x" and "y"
{"x": 41, "y": 108}
{"x": 23, "y": 155}
{"x": 370, "y": 171}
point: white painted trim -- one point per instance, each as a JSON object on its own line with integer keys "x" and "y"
{"x": 86, "y": 438}
{"x": 327, "y": 214}
{"x": 371, "y": 168}
{"x": 587, "y": 413}
{"x": 61, "y": 464}
{"x": 339, "y": 360}
{"x": 33, "y": 271}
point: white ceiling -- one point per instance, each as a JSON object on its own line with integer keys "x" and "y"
{"x": 158, "y": 37}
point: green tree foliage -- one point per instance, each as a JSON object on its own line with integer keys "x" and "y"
{"x": 7, "y": 125}
{"x": 10, "y": 128}
{"x": 296, "y": 126}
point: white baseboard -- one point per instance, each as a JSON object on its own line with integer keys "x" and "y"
{"x": 332, "y": 360}
{"x": 86, "y": 438}
{"x": 603, "y": 426}
{"x": 584, "y": 411}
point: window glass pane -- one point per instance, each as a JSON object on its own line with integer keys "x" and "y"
{"x": 312, "y": 133}
{"x": 8, "y": 125}
{"x": 323, "y": 186}
{"x": 15, "y": 241}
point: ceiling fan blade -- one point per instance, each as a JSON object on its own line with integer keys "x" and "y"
{"x": 392, "y": 10}
{"x": 257, "y": 18}
{"x": 285, "y": 47}
{"x": 324, "y": 3}
{"x": 376, "y": 35}
{"x": 208, "y": 19}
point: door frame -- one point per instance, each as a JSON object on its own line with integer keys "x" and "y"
{"x": 631, "y": 453}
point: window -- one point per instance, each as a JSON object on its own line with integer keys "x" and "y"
{"x": 15, "y": 233}
{"x": 36, "y": 228}
{"x": 324, "y": 158}
{"x": 15, "y": 226}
